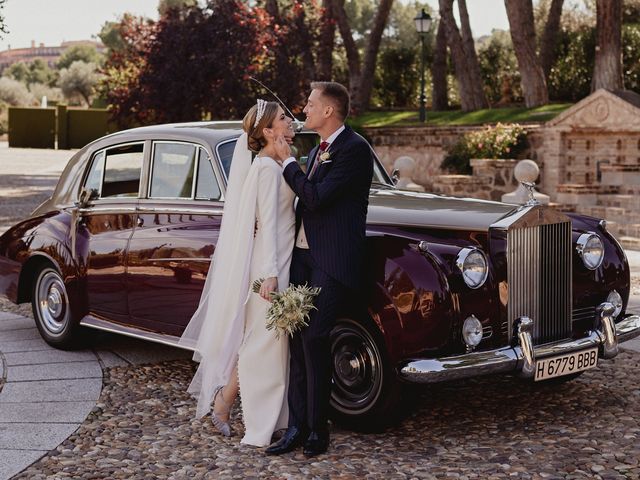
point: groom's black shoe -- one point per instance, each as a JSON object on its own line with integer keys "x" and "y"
{"x": 292, "y": 439}
{"x": 316, "y": 444}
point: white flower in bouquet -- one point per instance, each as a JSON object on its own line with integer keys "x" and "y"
{"x": 289, "y": 310}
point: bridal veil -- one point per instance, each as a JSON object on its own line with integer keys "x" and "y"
{"x": 216, "y": 329}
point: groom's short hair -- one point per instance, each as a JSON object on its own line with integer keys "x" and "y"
{"x": 337, "y": 94}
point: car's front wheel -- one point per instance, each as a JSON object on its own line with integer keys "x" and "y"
{"x": 365, "y": 392}
{"x": 51, "y": 311}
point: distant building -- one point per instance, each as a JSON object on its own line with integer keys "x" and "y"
{"x": 49, "y": 54}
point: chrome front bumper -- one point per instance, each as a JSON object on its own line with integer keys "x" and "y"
{"x": 521, "y": 358}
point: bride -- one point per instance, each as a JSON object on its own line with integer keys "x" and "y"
{"x": 228, "y": 330}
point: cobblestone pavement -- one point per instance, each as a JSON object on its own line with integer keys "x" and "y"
{"x": 498, "y": 427}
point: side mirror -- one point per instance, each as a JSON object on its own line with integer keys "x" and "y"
{"x": 86, "y": 195}
{"x": 395, "y": 176}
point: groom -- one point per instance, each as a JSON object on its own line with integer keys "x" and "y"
{"x": 330, "y": 222}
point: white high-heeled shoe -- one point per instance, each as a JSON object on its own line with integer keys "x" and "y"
{"x": 223, "y": 427}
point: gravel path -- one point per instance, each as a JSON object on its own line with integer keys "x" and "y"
{"x": 495, "y": 427}
{"x": 635, "y": 283}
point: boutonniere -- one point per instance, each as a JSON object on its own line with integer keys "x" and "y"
{"x": 324, "y": 156}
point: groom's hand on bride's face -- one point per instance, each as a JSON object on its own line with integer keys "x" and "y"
{"x": 283, "y": 150}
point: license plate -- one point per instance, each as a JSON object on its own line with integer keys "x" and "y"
{"x": 565, "y": 364}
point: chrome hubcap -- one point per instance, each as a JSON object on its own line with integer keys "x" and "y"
{"x": 357, "y": 369}
{"x": 52, "y": 302}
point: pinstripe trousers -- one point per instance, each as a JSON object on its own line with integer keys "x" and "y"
{"x": 310, "y": 348}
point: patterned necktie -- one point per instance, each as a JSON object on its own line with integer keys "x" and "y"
{"x": 321, "y": 150}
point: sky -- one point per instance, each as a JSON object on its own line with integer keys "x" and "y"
{"x": 53, "y": 21}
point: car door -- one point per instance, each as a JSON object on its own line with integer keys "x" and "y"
{"x": 106, "y": 225}
{"x": 178, "y": 224}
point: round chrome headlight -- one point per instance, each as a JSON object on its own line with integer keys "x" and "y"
{"x": 591, "y": 250}
{"x": 615, "y": 299}
{"x": 472, "y": 331}
{"x": 473, "y": 265}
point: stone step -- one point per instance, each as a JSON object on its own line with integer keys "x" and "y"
{"x": 587, "y": 188}
{"x": 583, "y": 194}
{"x": 628, "y": 190}
{"x": 622, "y": 201}
{"x": 620, "y": 230}
{"x": 613, "y": 214}
{"x": 621, "y": 177}
{"x": 631, "y": 243}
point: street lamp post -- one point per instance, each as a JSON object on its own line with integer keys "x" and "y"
{"x": 423, "y": 24}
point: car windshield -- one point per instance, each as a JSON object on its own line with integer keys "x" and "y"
{"x": 302, "y": 145}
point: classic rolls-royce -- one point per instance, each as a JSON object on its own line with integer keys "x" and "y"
{"x": 455, "y": 287}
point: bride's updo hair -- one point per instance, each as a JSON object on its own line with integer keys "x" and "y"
{"x": 255, "y": 136}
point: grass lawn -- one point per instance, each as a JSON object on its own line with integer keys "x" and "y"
{"x": 458, "y": 117}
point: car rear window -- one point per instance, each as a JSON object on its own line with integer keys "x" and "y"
{"x": 115, "y": 172}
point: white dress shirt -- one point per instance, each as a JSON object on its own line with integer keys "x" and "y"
{"x": 301, "y": 240}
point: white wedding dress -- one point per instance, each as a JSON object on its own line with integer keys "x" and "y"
{"x": 263, "y": 359}
{"x": 229, "y": 324}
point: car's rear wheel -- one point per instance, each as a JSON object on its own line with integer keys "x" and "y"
{"x": 51, "y": 310}
{"x": 365, "y": 391}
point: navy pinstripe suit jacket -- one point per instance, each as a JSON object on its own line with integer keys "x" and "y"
{"x": 333, "y": 204}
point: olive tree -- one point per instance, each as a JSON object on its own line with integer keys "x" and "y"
{"x": 79, "y": 80}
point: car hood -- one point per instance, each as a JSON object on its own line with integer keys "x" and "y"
{"x": 404, "y": 208}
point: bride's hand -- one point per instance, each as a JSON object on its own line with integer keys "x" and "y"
{"x": 268, "y": 285}
{"x": 282, "y": 148}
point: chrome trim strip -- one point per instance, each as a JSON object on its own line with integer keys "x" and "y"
{"x": 98, "y": 324}
{"x": 628, "y": 328}
{"x": 193, "y": 211}
{"x": 106, "y": 210}
{"x": 419, "y": 225}
{"x": 181, "y": 259}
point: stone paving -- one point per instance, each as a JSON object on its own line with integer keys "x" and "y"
{"x": 47, "y": 395}
{"x": 123, "y": 405}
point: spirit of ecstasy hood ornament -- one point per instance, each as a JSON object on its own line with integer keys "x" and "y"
{"x": 531, "y": 190}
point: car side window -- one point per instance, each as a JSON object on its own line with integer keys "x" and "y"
{"x": 207, "y": 187}
{"x": 94, "y": 178}
{"x": 302, "y": 145}
{"x": 173, "y": 170}
{"x": 225, "y": 152}
{"x": 122, "y": 167}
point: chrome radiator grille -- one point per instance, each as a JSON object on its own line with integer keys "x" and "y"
{"x": 539, "y": 277}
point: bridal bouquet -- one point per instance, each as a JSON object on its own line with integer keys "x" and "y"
{"x": 289, "y": 310}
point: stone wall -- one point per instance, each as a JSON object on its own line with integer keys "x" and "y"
{"x": 426, "y": 145}
{"x": 490, "y": 180}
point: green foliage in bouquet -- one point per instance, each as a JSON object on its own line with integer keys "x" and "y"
{"x": 499, "y": 141}
{"x": 289, "y": 310}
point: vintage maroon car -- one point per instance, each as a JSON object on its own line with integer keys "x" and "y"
{"x": 455, "y": 287}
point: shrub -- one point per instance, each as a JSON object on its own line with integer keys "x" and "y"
{"x": 39, "y": 90}
{"x": 15, "y": 93}
{"x": 499, "y": 141}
